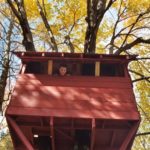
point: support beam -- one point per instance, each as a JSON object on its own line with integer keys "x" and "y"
{"x": 97, "y": 68}
{"x": 93, "y": 134}
{"x": 50, "y": 67}
{"x": 113, "y": 138}
{"x": 65, "y": 135}
{"x": 129, "y": 136}
{"x": 20, "y": 134}
{"x": 12, "y": 134}
{"x": 72, "y": 128}
{"x": 52, "y": 132}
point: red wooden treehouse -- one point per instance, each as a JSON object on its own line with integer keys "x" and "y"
{"x": 92, "y": 109}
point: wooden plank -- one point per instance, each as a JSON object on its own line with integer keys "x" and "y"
{"x": 93, "y": 135}
{"x": 64, "y": 103}
{"x": 40, "y": 58}
{"x": 74, "y": 78}
{"x": 129, "y": 136}
{"x": 19, "y": 133}
{"x": 97, "y": 68}
{"x": 74, "y": 81}
{"x": 112, "y": 139}
{"x": 50, "y": 67}
{"x": 69, "y": 97}
{"x": 92, "y": 91}
{"x": 76, "y": 84}
{"x": 130, "y": 115}
{"x": 70, "y": 138}
{"x": 52, "y": 133}
{"x": 22, "y": 77}
{"x": 74, "y": 55}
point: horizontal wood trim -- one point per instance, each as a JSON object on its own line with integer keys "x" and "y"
{"x": 104, "y": 82}
{"x": 74, "y": 78}
{"x": 132, "y": 115}
{"x": 72, "y": 93}
{"x": 72, "y": 104}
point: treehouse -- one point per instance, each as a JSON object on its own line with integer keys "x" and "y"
{"x": 93, "y": 108}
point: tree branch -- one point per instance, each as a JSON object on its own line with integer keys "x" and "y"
{"x": 48, "y": 27}
{"x": 141, "y": 75}
{"x": 130, "y": 45}
{"x": 141, "y": 134}
{"x": 142, "y": 78}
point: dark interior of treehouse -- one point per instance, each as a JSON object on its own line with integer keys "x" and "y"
{"x": 77, "y": 68}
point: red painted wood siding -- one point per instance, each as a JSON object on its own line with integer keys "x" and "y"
{"x": 98, "y": 97}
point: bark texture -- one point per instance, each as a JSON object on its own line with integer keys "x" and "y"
{"x": 5, "y": 65}
{"x": 20, "y": 13}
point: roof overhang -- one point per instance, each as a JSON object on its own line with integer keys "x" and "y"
{"x": 44, "y": 56}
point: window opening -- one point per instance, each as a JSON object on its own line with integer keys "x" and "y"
{"x": 73, "y": 67}
{"x": 36, "y": 67}
{"x": 88, "y": 69}
{"x": 107, "y": 69}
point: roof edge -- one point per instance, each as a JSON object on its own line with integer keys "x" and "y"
{"x": 60, "y": 55}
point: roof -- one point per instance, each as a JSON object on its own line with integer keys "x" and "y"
{"x": 25, "y": 56}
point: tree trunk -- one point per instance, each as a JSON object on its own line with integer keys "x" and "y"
{"x": 5, "y": 65}
{"x": 95, "y": 12}
{"x": 3, "y": 82}
{"x": 20, "y": 13}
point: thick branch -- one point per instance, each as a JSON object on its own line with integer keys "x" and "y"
{"x": 143, "y": 58}
{"x": 14, "y": 9}
{"x": 111, "y": 49}
{"x": 141, "y": 75}
{"x": 143, "y": 78}
{"x": 48, "y": 27}
{"x": 69, "y": 43}
{"x": 130, "y": 45}
{"x": 141, "y": 134}
{"x": 133, "y": 25}
{"x": 22, "y": 17}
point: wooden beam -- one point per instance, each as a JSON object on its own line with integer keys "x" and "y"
{"x": 113, "y": 138}
{"x": 129, "y": 136}
{"x": 93, "y": 134}
{"x": 72, "y": 128}
{"x": 11, "y": 133}
{"x": 103, "y": 124}
{"x": 20, "y": 134}
{"x": 52, "y": 132}
{"x": 50, "y": 67}
{"x": 65, "y": 135}
{"x": 97, "y": 68}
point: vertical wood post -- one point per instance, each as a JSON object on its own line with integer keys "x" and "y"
{"x": 50, "y": 67}
{"x": 93, "y": 134}
{"x": 97, "y": 68}
{"x": 52, "y": 132}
